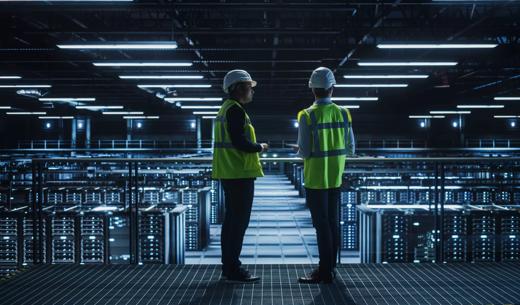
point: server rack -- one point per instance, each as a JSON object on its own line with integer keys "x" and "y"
{"x": 197, "y": 217}
{"x": 9, "y": 240}
{"x": 349, "y": 220}
{"x": 456, "y": 237}
{"x": 510, "y": 237}
{"x": 154, "y": 228}
{"x": 119, "y": 238}
{"x": 64, "y": 246}
{"x": 93, "y": 234}
{"x": 483, "y": 237}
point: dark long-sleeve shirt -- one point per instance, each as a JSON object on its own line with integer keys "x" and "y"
{"x": 236, "y": 119}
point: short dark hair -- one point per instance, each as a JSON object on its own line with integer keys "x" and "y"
{"x": 321, "y": 92}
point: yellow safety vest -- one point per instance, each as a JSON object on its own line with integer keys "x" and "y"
{"x": 229, "y": 162}
{"x": 328, "y": 125}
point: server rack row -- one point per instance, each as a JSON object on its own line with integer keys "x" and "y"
{"x": 91, "y": 238}
{"x": 417, "y": 184}
{"x": 393, "y": 236}
{"x": 72, "y": 184}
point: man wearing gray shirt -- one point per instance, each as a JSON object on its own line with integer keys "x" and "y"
{"x": 325, "y": 138}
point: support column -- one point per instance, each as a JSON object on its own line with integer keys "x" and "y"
{"x": 87, "y": 133}
{"x": 129, "y": 130}
{"x": 212, "y": 132}
{"x": 199, "y": 132}
{"x": 61, "y": 130}
{"x": 73, "y": 136}
{"x": 461, "y": 132}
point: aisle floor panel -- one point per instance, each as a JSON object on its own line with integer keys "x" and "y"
{"x": 279, "y": 219}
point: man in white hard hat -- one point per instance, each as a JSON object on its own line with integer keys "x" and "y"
{"x": 237, "y": 164}
{"x": 325, "y": 137}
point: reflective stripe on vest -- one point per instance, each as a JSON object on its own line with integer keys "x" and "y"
{"x": 315, "y": 127}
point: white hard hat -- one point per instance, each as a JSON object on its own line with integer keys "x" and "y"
{"x": 322, "y": 78}
{"x": 236, "y": 76}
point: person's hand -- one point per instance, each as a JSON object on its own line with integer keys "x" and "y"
{"x": 265, "y": 147}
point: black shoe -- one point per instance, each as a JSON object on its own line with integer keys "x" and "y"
{"x": 315, "y": 277}
{"x": 241, "y": 276}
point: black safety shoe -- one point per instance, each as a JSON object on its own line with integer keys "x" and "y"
{"x": 241, "y": 276}
{"x": 315, "y": 277}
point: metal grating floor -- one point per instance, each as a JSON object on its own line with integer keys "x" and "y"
{"x": 201, "y": 284}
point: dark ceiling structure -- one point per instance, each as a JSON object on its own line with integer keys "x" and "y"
{"x": 278, "y": 42}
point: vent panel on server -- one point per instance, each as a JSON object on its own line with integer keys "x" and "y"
{"x": 349, "y": 234}
{"x": 63, "y": 245}
{"x": 28, "y": 240}
{"x": 152, "y": 235}
{"x": 483, "y": 231}
{"x": 395, "y": 245}
{"x": 455, "y": 236}
{"x": 8, "y": 240}
{"x": 92, "y": 239}
{"x": 510, "y": 238}
{"x": 197, "y": 217}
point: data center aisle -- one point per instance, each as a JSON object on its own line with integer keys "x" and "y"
{"x": 280, "y": 230}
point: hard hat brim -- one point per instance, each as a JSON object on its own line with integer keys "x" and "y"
{"x": 319, "y": 87}
{"x": 252, "y": 82}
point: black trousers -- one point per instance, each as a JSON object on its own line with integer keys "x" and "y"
{"x": 238, "y": 196}
{"x": 323, "y": 205}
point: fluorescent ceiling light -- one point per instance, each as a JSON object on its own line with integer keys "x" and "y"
{"x": 5, "y": 107}
{"x": 123, "y": 112}
{"x": 411, "y": 206}
{"x": 468, "y": 0}
{"x": 350, "y": 106}
{"x": 67, "y": 99}
{"x": 479, "y": 106}
{"x": 450, "y": 112}
{"x": 208, "y": 117}
{"x": 142, "y": 64}
{"x": 141, "y": 117}
{"x": 390, "y": 76}
{"x": 371, "y": 85}
{"x": 426, "y": 116}
{"x": 409, "y": 63}
{"x": 200, "y": 107}
{"x": 506, "y": 116}
{"x": 9, "y": 77}
{"x": 174, "y": 86}
{"x": 205, "y": 112}
{"x": 99, "y": 107}
{"x": 507, "y": 98}
{"x": 355, "y": 98}
{"x": 25, "y": 86}
{"x": 170, "y": 45}
{"x": 66, "y": 0}
{"x": 56, "y": 117}
{"x": 437, "y": 46}
{"x": 193, "y": 99}
{"x": 26, "y": 113}
{"x": 161, "y": 77}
